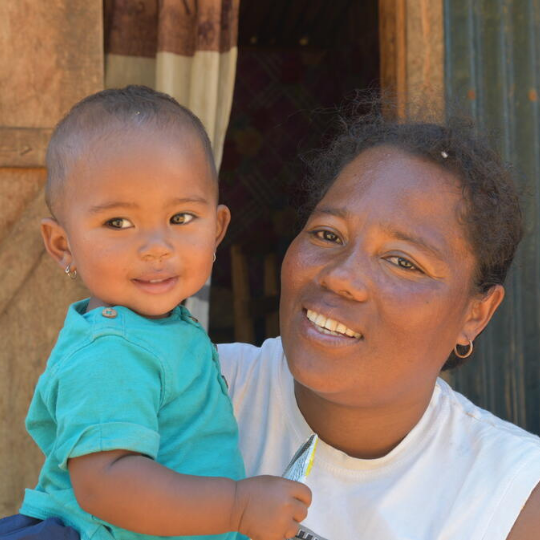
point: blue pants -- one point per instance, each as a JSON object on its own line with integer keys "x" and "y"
{"x": 19, "y": 527}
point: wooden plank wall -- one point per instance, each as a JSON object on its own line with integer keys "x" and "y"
{"x": 51, "y": 56}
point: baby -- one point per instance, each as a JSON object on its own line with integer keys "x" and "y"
{"x": 132, "y": 412}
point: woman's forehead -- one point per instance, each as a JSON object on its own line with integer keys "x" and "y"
{"x": 396, "y": 191}
{"x": 389, "y": 167}
{"x": 392, "y": 177}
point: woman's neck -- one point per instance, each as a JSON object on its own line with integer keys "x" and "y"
{"x": 360, "y": 433}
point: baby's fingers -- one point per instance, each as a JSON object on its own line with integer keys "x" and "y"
{"x": 303, "y": 494}
{"x": 299, "y": 511}
{"x": 292, "y": 531}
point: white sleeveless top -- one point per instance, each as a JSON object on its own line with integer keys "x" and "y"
{"x": 460, "y": 474}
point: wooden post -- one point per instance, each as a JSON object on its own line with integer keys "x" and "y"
{"x": 271, "y": 290}
{"x": 412, "y": 55}
{"x": 393, "y": 47}
{"x": 243, "y": 322}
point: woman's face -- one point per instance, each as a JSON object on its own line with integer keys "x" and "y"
{"x": 376, "y": 289}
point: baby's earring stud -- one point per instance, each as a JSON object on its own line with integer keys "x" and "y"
{"x": 71, "y": 273}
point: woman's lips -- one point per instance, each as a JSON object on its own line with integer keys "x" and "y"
{"x": 156, "y": 285}
{"x": 331, "y": 326}
{"x": 313, "y": 335}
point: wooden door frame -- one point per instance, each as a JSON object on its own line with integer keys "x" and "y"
{"x": 411, "y": 37}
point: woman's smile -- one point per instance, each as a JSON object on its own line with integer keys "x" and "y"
{"x": 331, "y": 327}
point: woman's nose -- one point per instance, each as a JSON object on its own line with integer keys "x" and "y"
{"x": 347, "y": 276}
{"x": 155, "y": 247}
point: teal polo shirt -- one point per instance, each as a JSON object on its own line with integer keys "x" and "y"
{"x": 117, "y": 380}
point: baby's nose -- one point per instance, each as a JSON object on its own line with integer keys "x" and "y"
{"x": 155, "y": 247}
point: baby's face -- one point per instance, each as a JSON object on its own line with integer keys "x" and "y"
{"x": 142, "y": 221}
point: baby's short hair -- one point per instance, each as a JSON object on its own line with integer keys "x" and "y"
{"x": 111, "y": 111}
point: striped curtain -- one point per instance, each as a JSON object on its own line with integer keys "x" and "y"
{"x": 186, "y": 48}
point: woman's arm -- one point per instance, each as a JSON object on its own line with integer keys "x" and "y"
{"x": 136, "y": 493}
{"x": 527, "y": 525}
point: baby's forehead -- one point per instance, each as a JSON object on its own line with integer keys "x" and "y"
{"x": 111, "y": 157}
{"x": 138, "y": 143}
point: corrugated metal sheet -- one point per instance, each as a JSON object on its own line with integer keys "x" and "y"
{"x": 492, "y": 68}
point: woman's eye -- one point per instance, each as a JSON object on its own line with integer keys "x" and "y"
{"x": 403, "y": 263}
{"x": 119, "y": 223}
{"x": 327, "y": 236}
{"x": 181, "y": 219}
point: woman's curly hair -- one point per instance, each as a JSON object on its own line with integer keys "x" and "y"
{"x": 491, "y": 213}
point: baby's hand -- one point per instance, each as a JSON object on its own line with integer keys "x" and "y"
{"x": 269, "y": 507}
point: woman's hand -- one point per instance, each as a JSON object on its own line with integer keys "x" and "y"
{"x": 269, "y": 507}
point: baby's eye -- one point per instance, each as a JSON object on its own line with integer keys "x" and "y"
{"x": 403, "y": 263}
{"x": 119, "y": 223}
{"x": 327, "y": 236}
{"x": 181, "y": 219}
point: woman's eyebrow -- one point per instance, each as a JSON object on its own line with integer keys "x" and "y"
{"x": 338, "y": 212}
{"x": 418, "y": 241}
{"x": 388, "y": 229}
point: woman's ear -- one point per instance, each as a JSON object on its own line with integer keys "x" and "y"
{"x": 223, "y": 220}
{"x": 56, "y": 242}
{"x": 481, "y": 310}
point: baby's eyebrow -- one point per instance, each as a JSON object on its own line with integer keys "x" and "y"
{"x": 183, "y": 200}
{"x": 112, "y": 205}
{"x": 96, "y": 209}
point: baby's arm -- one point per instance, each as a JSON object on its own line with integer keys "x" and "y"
{"x": 136, "y": 493}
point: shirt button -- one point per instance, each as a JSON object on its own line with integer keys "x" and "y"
{"x": 109, "y": 312}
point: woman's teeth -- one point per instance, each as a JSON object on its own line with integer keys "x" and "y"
{"x": 330, "y": 326}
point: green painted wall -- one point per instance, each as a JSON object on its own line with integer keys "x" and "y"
{"x": 492, "y": 69}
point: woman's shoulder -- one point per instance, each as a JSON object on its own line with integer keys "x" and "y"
{"x": 498, "y": 460}
{"x": 244, "y": 355}
{"x": 243, "y": 362}
{"x": 478, "y": 422}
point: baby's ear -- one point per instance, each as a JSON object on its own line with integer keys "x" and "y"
{"x": 56, "y": 242}
{"x": 222, "y": 222}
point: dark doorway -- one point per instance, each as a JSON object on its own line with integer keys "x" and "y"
{"x": 297, "y": 61}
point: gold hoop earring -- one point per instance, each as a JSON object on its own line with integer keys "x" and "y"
{"x": 71, "y": 273}
{"x": 214, "y": 259}
{"x": 469, "y": 351}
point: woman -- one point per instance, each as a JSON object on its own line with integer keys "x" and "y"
{"x": 398, "y": 269}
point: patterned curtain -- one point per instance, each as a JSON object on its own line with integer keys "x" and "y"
{"x": 186, "y": 48}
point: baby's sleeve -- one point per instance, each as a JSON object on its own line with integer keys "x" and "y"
{"x": 106, "y": 397}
